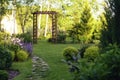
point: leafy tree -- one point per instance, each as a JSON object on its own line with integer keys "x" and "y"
{"x": 24, "y": 13}
{"x": 3, "y": 9}
{"x": 82, "y": 30}
{"x": 117, "y": 19}
{"x": 111, "y": 31}
{"x": 87, "y": 23}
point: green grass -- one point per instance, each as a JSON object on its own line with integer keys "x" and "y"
{"x": 25, "y": 69}
{"x": 52, "y": 54}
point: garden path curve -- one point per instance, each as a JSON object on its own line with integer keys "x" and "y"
{"x": 40, "y": 68}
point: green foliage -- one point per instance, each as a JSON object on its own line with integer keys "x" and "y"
{"x": 24, "y": 68}
{"x": 69, "y": 53}
{"x": 51, "y": 53}
{"x": 82, "y": 49}
{"x": 2, "y": 43}
{"x": 91, "y": 71}
{"x": 74, "y": 33}
{"x": 111, "y": 58}
{"x": 5, "y": 58}
{"x": 3, "y": 75}
{"x": 4, "y": 39}
{"x": 23, "y": 13}
{"x": 12, "y": 54}
{"x": 111, "y": 31}
{"x": 83, "y": 31}
{"x": 27, "y": 37}
{"x": 61, "y": 37}
{"x": 3, "y": 9}
{"x": 91, "y": 53}
{"x": 107, "y": 32}
{"x": 3, "y": 35}
{"x": 22, "y": 55}
{"x": 105, "y": 67}
{"x": 114, "y": 21}
{"x": 14, "y": 47}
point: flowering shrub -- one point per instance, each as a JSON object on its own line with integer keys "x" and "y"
{"x": 25, "y": 42}
{"x": 18, "y": 44}
{"x": 28, "y": 48}
{"x": 14, "y": 44}
{"x": 26, "y": 37}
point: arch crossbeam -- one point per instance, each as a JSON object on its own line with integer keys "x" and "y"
{"x": 45, "y": 12}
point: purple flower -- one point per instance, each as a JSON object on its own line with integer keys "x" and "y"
{"x": 15, "y": 40}
{"x": 28, "y": 47}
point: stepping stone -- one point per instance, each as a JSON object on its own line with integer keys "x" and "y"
{"x": 40, "y": 68}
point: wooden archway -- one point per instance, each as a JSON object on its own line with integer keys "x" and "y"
{"x": 53, "y": 14}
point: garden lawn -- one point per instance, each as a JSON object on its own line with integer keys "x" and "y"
{"x": 25, "y": 69}
{"x": 52, "y": 54}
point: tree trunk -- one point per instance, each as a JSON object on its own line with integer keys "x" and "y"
{"x": 39, "y": 21}
{"x": 23, "y": 31}
{"x": 0, "y": 22}
{"x": 47, "y": 17}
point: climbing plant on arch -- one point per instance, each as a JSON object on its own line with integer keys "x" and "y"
{"x": 53, "y": 14}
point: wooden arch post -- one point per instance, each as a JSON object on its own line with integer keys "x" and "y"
{"x": 54, "y": 25}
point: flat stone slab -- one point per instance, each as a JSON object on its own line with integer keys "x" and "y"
{"x": 40, "y": 68}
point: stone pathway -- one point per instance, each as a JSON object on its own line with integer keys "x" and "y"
{"x": 40, "y": 68}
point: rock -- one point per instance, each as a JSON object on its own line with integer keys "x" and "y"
{"x": 40, "y": 68}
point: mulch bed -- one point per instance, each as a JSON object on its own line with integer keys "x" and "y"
{"x": 12, "y": 74}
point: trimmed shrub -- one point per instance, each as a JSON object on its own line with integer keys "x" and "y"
{"x": 22, "y": 55}
{"x": 70, "y": 53}
{"x": 5, "y": 58}
{"x": 91, "y": 52}
{"x": 3, "y": 75}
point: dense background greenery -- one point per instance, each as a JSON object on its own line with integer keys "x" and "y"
{"x": 80, "y": 18}
{"x": 93, "y": 24}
